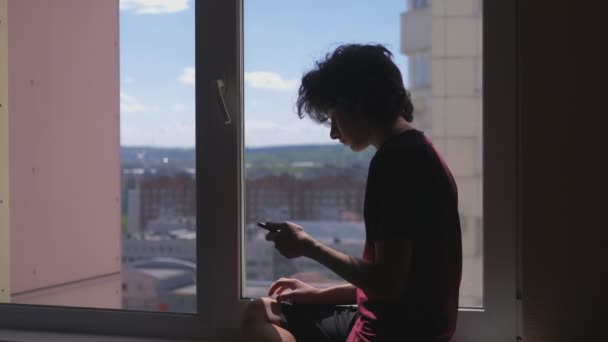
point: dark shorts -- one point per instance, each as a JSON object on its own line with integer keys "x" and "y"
{"x": 318, "y": 323}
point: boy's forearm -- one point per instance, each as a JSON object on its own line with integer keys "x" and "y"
{"x": 358, "y": 272}
{"x": 339, "y": 295}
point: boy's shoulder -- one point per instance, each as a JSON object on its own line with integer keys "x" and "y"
{"x": 402, "y": 147}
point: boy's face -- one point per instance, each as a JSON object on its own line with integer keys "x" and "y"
{"x": 352, "y": 130}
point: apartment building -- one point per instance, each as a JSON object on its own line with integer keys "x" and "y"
{"x": 170, "y": 197}
{"x": 443, "y": 43}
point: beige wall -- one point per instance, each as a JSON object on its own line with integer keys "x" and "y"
{"x": 5, "y": 247}
{"x": 64, "y": 152}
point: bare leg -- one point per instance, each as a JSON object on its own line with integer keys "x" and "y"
{"x": 261, "y": 322}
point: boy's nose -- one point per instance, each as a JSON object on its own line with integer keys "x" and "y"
{"x": 333, "y": 132}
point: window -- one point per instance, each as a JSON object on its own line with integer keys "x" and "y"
{"x": 222, "y": 141}
{"x": 272, "y": 139}
{"x": 419, "y": 70}
{"x": 419, "y": 4}
{"x": 455, "y": 125}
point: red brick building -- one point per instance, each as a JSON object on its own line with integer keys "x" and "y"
{"x": 174, "y": 196}
{"x": 281, "y": 197}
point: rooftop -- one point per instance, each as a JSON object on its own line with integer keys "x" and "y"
{"x": 162, "y": 273}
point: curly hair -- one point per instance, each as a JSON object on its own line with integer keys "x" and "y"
{"x": 355, "y": 78}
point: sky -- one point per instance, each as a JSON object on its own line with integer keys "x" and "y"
{"x": 283, "y": 38}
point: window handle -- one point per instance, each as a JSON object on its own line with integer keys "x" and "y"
{"x": 221, "y": 88}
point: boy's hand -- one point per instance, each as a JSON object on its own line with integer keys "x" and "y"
{"x": 290, "y": 239}
{"x": 297, "y": 291}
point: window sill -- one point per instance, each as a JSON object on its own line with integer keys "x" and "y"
{"x": 40, "y": 336}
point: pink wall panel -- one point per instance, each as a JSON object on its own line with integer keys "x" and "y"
{"x": 64, "y": 141}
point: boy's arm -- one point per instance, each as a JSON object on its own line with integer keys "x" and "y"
{"x": 345, "y": 294}
{"x": 383, "y": 279}
{"x": 297, "y": 291}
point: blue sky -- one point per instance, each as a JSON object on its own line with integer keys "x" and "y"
{"x": 283, "y": 38}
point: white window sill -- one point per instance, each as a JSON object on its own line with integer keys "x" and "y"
{"x": 41, "y": 336}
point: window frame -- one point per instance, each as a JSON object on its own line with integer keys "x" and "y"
{"x": 219, "y": 195}
{"x": 223, "y": 19}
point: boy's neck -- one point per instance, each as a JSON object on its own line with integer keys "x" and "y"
{"x": 401, "y": 125}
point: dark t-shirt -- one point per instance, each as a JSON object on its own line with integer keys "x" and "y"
{"x": 411, "y": 195}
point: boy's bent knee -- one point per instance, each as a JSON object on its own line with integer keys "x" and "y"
{"x": 261, "y": 310}
{"x": 254, "y": 311}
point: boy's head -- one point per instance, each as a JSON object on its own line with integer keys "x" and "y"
{"x": 358, "y": 82}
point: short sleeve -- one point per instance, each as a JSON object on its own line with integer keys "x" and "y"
{"x": 400, "y": 195}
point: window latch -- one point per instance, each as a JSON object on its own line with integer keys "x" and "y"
{"x": 221, "y": 86}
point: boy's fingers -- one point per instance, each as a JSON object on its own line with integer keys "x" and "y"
{"x": 271, "y": 236}
{"x": 280, "y": 290}
{"x": 274, "y": 287}
{"x": 288, "y": 283}
{"x": 276, "y": 290}
{"x": 287, "y": 296}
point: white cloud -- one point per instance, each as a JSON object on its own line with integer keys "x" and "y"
{"x": 130, "y": 104}
{"x": 269, "y": 80}
{"x": 188, "y": 76}
{"x": 154, "y": 6}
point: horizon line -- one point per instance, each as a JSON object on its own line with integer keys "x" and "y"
{"x": 263, "y": 146}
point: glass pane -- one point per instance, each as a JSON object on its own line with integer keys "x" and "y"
{"x": 295, "y": 172}
{"x": 158, "y": 156}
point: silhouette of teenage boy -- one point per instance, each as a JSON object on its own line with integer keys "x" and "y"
{"x": 406, "y": 283}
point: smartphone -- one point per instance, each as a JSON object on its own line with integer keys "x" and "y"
{"x": 265, "y": 226}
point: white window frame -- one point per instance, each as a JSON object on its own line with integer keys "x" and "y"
{"x": 220, "y": 206}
